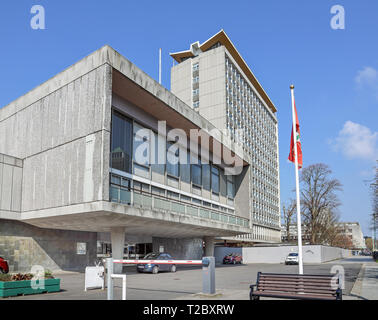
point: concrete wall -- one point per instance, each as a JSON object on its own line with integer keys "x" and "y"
{"x": 212, "y": 86}
{"x": 24, "y": 246}
{"x": 10, "y": 186}
{"x": 181, "y": 81}
{"x": 63, "y": 139}
{"x": 184, "y": 248}
{"x": 311, "y": 254}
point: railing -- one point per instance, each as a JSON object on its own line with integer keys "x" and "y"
{"x": 131, "y": 196}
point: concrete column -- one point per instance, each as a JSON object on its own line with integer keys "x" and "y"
{"x": 209, "y": 246}
{"x": 117, "y": 235}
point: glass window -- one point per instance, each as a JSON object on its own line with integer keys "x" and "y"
{"x": 186, "y": 198}
{"x": 156, "y": 166}
{"x": 139, "y": 186}
{"x": 206, "y": 176}
{"x": 215, "y": 179}
{"x": 172, "y": 160}
{"x": 173, "y": 195}
{"x": 141, "y": 145}
{"x": 185, "y": 170}
{"x": 223, "y": 184}
{"x": 121, "y": 144}
{"x": 158, "y": 191}
{"x": 230, "y": 187}
{"x": 196, "y": 174}
{"x": 197, "y": 201}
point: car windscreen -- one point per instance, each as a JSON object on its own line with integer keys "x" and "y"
{"x": 293, "y": 254}
{"x": 151, "y": 256}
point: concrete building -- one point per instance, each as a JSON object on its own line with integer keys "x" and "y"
{"x": 354, "y": 232}
{"x": 68, "y": 174}
{"x": 350, "y": 229}
{"x": 293, "y": 234}
{"x": 216, "y": 82}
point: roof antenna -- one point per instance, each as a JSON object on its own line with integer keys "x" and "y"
{"x": 159, "y": 65}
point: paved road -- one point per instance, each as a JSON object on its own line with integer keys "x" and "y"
{"x": 188, "y": 281}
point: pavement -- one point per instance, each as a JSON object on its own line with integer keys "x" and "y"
{"x": 232, "y": 282}
{"x": 366, "y": 284}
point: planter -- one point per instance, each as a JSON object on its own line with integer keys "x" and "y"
{"x": 15, "y": 288}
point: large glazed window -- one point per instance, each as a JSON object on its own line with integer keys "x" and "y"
{"x": 196, "y": 174}
{"x": 173, "y": 167}
{"x": 142, "y": 151}
{"x": 206, "y": 176}
{"x": 121, "y": 152}
{"x": 215, "y": 179}
{"x": 230, "y": 187}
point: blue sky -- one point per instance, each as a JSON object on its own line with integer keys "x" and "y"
{"x": 335, "y": 72}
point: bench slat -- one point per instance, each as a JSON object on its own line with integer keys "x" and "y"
{"x": 288, "y": 286}
{"x": 297, "y": 278}
{"x": 325, "y": 283}
{"x": 295, "y": 290}
{"x": 314, "y": 284}
{"x": 299, "y": 296}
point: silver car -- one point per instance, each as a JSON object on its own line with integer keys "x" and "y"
{"x": 292, "y": 258}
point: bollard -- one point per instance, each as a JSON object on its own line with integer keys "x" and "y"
{"x": 123, "y": 277}
{"x": 208, "y": 275}
{"x": 109, "y": 267}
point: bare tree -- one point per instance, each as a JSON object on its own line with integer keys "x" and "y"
{"x": 342, "y": 241}
{"x": 319, "y": 203}
{"x": 288, "y": 213}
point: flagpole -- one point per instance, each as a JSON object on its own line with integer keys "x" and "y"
{"x": 299, "y": 224}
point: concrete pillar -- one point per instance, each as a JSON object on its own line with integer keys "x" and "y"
{"x": 209, "y": 246}
{"x": 117, "y": 235}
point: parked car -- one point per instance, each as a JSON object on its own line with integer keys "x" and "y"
{"x": 233, "y": 258}
{"x": 292, "y": 258}
{"x": 156, "y": 267}
{"x": 4, "y": 268}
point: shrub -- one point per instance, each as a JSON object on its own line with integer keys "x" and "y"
{"x": 22, "y": 276}
{"x": 5, "y": 277}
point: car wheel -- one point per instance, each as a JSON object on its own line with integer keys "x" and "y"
{"x": 173, "y": 268}
{"x": 155, "y": 270}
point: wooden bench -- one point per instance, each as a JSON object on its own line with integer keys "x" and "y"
{"x": 296, "y": 286}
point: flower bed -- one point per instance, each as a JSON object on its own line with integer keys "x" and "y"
{"x": 21, "y": 284}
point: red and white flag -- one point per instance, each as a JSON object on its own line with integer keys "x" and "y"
{"x": 298, "y": 140}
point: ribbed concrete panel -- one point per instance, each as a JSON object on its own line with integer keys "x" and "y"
{"x": 65, "y": 175}
{"x": 6, "y": 196}
{"x": 10, "y": 185}
{"x": 73, "y": 111}
{"x": 16, "y": 189}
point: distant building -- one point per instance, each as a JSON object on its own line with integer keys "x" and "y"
{"x": 293, "y": 233}
{"x": 353, "y": 231}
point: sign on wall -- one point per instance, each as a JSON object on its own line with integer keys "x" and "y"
{"x": 81, "y": 248}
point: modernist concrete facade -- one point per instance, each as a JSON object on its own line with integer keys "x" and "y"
{"x": 214, "y": 79}
{"x": 354, "y": 232}
{"x": 63, "y": 176}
